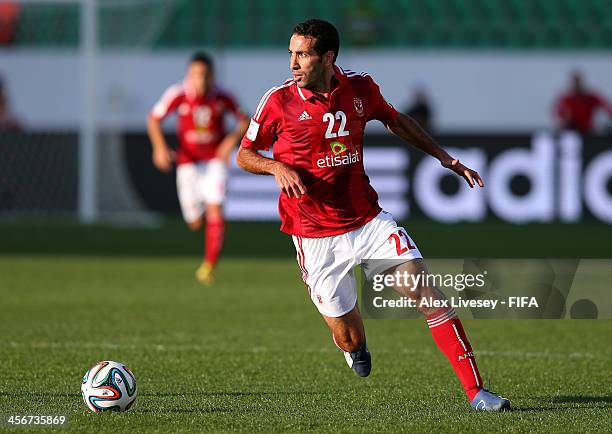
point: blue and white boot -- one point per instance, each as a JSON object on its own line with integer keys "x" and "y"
{"x": 360, "y": 361}
{"x": 487, "y": 401}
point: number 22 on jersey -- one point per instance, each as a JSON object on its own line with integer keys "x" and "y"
{"x": 400, "y": 250}
{"x": 331, "y": 120}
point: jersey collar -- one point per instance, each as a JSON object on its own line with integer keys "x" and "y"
{"x": 307, "y": 94}
{"x": 192, "y": 95}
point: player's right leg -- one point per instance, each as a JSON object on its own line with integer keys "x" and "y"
{"x": 192, "y": 207}
{"x": 327, "y": 270}
{"x": 348, "y": 334}
{"x": 186, "y": 187}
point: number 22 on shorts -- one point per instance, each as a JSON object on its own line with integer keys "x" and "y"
{"x": 398, "y": 242}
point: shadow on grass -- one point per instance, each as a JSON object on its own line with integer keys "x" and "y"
{"x": 158, "y": 410}
{"x": 48, "y": 394}
{"x": 204, "y": 394}
{"x": 579, "y": 401}
{"x": 225, "y": 393}
{"x": 190, "y": 410}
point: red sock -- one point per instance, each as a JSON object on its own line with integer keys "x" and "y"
{"x": 215, "y": 230}
{"x": 450, "y": 337}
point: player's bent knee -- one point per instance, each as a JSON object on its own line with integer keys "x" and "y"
{"x": 349, "y": 343}
{"x": 214, "y": 212}
{"x": 195, "y": 225}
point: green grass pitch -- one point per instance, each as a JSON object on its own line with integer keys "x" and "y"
{"x": 252, "y": 354}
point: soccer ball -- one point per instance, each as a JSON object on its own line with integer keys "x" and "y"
{"x": 109, "y": 385}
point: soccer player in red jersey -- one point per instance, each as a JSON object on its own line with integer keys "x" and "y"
{"x": 316, "y": 123}
{"x": 576, "y": 109}
{"x": 203, "y": 153}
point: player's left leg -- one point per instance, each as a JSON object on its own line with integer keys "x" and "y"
{"x": 395, "y": 245}
{"x": 214, "y": 235}
{"x": 212, "y": 186}
{"x": 450, "y": 337}
{"x": 444, "y": 325}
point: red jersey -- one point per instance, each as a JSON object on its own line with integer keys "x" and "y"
{"x": 201, "y": 125}
{"x": 576, "y": 110}
{"x": 322, "y": 140}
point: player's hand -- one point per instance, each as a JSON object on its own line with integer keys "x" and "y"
{"x": 289, "y": 181}
{"x": 163, "y": 158}
{"x": 471, "y": 176}
{"x": 224, "y": 154}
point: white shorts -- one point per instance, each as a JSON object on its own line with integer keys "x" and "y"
{"x": 199, "y": 184}
{"x": 327, "y": 263}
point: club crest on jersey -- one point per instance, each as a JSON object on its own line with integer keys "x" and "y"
{"x": 202, "y": 116}
{"x": 358, "y": 106}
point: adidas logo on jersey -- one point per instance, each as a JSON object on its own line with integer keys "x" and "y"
{"x": 304, "y": 116}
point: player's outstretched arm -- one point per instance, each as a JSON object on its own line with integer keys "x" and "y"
{"x": 288, "y": 180}
{"x": 231, "y": 139}
{"x": 606, "y": 105}
{"x": 409, "y": 130}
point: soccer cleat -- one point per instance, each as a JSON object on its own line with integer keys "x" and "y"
{"x": 205, "y": 273}
{"x": 487, "y": 401}
{"x": 360, "y": 361}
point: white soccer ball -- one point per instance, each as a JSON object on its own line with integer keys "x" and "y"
{"x": 109, "y": 385}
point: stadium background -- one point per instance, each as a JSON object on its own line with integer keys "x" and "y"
{"x": 85, "y": 217}
{"x": 492, "y": 71}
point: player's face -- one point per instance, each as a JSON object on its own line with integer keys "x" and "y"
{"x": 306, "y": 65}
{"x": 200, "y": 76}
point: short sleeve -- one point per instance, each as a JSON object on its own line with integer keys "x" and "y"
{"x": 265, "y": 123}
{"x": 233, "y": 107}
{"x": 561, "y": 108}
{"x": 380, "y": 108}
{"x": 601, "y": 102}
{"x": 168, "y": 102}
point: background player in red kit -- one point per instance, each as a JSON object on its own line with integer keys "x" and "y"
{"x": 316, "y": 123}
{"x": 576, "y": 109}
{"x": 203, "y": 152}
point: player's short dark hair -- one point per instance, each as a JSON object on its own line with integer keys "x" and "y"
{"x": 201, "y": 56}
{"x": 323, "y": 32}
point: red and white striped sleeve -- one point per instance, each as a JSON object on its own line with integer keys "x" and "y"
{"x": 265, "y": 122}
{"x": 168, "y": 102}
